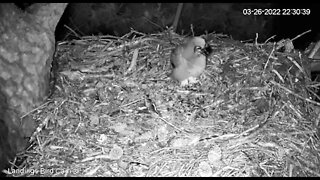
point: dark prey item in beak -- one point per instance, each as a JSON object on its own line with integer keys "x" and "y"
{"x": 207, "y": 50}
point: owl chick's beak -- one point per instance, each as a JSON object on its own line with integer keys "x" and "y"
{"x": 207, "y": 50}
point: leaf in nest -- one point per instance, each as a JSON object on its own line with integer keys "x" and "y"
{"x": 116, "y": 152}
{"x": 182, "y": 142}
{"x": 214, "y": 155}
{"x": 144, "y": 137}
{"x": 119, "y": 127}
{"x": 205, "y": 169}
{"x": 162, "y": 133}
{"x": 94, "y": 120}
{"x": 102, "y": 138}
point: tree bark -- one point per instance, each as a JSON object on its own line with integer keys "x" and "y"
{"x": 27, "y": 45}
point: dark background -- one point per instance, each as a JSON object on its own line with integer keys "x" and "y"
{"x": 227, "y": 18}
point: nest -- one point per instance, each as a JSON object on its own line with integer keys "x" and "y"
{"x": 115, "y": 112}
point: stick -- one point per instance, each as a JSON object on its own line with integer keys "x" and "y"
{"x": 314, "y": 50}
{"x": 177, "y": 17}
{"x": 134, "y": 60}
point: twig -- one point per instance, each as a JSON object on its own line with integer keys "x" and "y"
{"x": 76, "y": 34}
{"x": 269, "y": 56}
{"x": 256, "y": 40}
{"x": 301, "y": 35}
{"x": 191, "y": 27}
{"x": 177, "y": 17}
{"x": 175, "y": 127}
{"x": 272, "y": 37}
{"x": 134, "y": 61}
{"x": 35, "y": 109}
{"x": 153, "y": 23}
{"x": 314, "y": 50}
{"x": 291, "y": 92}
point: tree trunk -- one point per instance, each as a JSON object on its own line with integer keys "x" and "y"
{"x": 27, "y": 45}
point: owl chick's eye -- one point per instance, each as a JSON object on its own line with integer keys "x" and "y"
{"x": 197, "y": 49}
